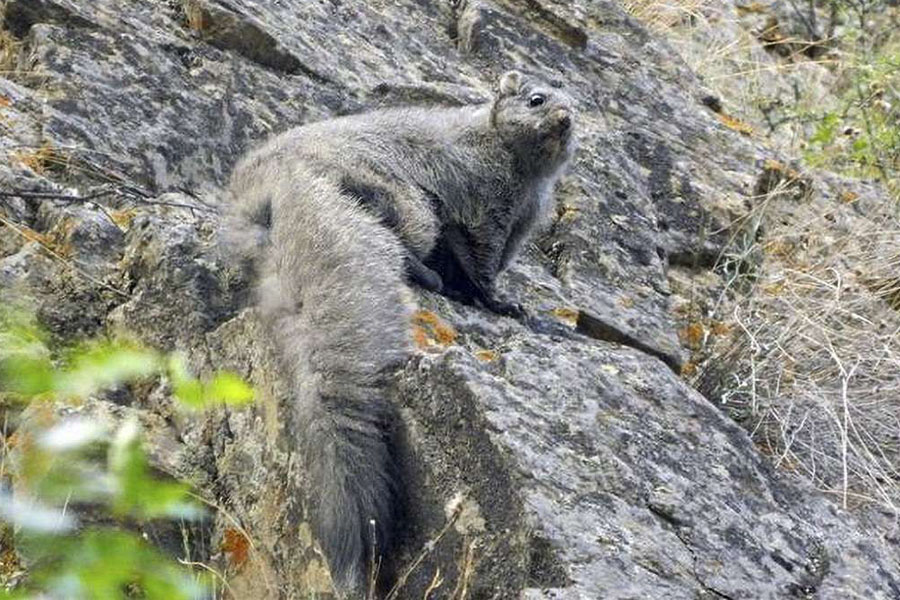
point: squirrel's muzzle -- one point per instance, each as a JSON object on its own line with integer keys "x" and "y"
{"x": 561, "y": 122}
{"x": 561, "y": 119}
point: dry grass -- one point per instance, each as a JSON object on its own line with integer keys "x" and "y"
{"x": 195, "y": 16}
{"x": 763, "y": 73}
{"x": 660, "y": 15}
{"x": 10, "y": 48}
{"x": 759, "y": 87}
{"x": 803, "y": 345}
{"x": 754, "y": 72}
{"x": 812, "y": 367}
{"x": 437, "y": 580}
{"x": 43, "y": 159}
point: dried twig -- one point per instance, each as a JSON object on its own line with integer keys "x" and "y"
{"x": 29, "y": 195}
{"x": 132, "y": 196}
{"x": 20, "y": 229}
{"x": 427, "y": 549}
{"x": 215, "y": 573}
{"x": 254, "y": 551}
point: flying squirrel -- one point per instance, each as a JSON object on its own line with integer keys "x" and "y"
{"x": 337, "y": 216}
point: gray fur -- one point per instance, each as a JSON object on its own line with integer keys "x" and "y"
{"x": 334, "y": 214}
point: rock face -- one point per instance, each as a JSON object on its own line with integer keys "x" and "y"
{"x": 580, "y": 464}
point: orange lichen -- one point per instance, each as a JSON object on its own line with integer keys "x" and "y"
{"x": 123, "y": 218}
{"x": 569, "y": 315}
{"x": 688, "y": 369}
{"x": 735, "y": 124}
{"x": 786, "y": 172}
{"x": 693, "y": 334}
{"x": 770, "y": 164}
{"x": 34, "y": 236}
{"x": 236, "y": 547}
{"x": 626, "y": 301}
{"x": 486, "y": 355}
{"x": 429, "y": 330}
{"x": 56, "y": 242}
{"x": 420, "y": 337}
{"x": 195, "y": 16}
{"x": 719, "y": 328}
{"x": 751, "y": 8}
{"x": 776, "y": 177}
{"x": 849, "y": 197}
{"x": 566, "y": 212}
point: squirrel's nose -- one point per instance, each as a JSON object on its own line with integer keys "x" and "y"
{"x": 565, "y": 121}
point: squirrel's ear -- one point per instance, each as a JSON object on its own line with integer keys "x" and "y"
{"x": 510, "y": 83}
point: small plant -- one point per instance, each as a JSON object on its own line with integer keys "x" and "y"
{"x": 862, "y": 134}
{"x": 79, "y": 464}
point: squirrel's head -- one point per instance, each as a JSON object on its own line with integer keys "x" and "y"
{"x": 535, "y": 120}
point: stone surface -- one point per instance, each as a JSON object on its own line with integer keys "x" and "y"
{"x": 582, "y": 467}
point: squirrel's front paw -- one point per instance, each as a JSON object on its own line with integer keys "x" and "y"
{"x": 506, "y": 309}
{"x": 418, "y": 273}
{"x": 430, "y": 281}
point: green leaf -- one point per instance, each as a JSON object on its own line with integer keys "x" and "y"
{"x": 25, "y": 366}
{"x": 225, "y": 387}
{"x": 33, "y": 516}
{"x": 187, "y": 390}
{"x": 71, "y": 434}
{"x": 27, "y": 375}
{"x": 228, "y": 388}
{"x": 137, "y": 492}
{"x": 109, "y": 564}
{"x": 102, "y": 366}
{"x": 62, "y": 467}
{"x": 190, "y": 393}
{"x": 826, "y": 130}
{"x": 177, "y": 367}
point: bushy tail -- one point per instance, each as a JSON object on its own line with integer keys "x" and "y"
{"x": 331, "y": 289}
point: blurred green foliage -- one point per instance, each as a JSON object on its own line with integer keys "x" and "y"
{"x": 79, "y": 462}
{"x": 859, "y": 134}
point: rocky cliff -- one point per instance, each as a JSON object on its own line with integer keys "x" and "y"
{"x": 580, "y": 464}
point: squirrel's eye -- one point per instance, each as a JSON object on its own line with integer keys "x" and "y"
{"x": 536, "y": 100}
